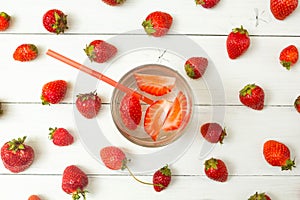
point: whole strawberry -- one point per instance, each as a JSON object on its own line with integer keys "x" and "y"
{"x": 296, "y": 104}
{"x": 216, "y": 169}
{"x": 130, "y": 111}
{"x": 213, "y": 132}
{"x": 88, "y": 104}
{"x": 34, "y": 197}
{"x": 113, "y": 158}
{"x": 207, "y": 3}
{"x": 114, "y": 2}
{"x": 195, "y": 67}
{"x": 60, "y": 136}
{"x": 74, "y": 181}
{"x": 237, "y": 43}
{"x": 162, "y": 178}
{"x": 4, "y": 21}
{"x": 278, "y": 154}
{"x": 16, "y": 155}
{"x": 157, "y": 23}
{"x": 53, "y": 92}
{"x": 289, "y": 56}
{"x": 100, "y": 51}
{"x": 259, "y": 196}
{"x": 252, "y": 96}
{"x": 55, "y": 21}
{"x": 283, "y": 8}
{"x": 25, "y": 52}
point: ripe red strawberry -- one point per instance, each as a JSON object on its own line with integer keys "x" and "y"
{"x": 283, "y": 8}
{"x": 74, "y": 181}
{"x": 176, "y": 113}
{"x": 288, "y": 56}
{"x": 154, "y": 84}
{"x": 88, "y": 104}
{"x": 216, "y": 169}
{"x": 60, "y": 136}
{"x": 297, "y": 104}
{"x": 155, "y": 116}
{"x": 25, "y": 52}
{"x": 207, "y": 3}
{"x": 259, "y": 196}
{"x": 100, "y": 51}
{"x": 113, "y": 158}
{"x": 162, "y": 178}
{"x": 4, "y": 21}
{"x": 237, "y": 43}
{"x": 55, "y": 21}
{"x": 252, "y": 96}
{"x": 130, "y": 111}
{"x": 53, "y": 92}
{"x": 113, "y": 2}
{"x": 278, "y": 154}
{"x": 34, "y": 197}
{"x": 157, "y": 23}
{"x": 213, "y": 132}
{"x": 16, "y": 155}
{"x": 195, "y": 67}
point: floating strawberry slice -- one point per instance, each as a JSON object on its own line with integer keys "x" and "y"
{"x": 155, "y": 116}
{"x": 176, "y": 113}
{"x": 131, "y": 111}
{"x": 154, "y": 84}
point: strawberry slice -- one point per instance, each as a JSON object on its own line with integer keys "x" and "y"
{"x": 176, "y": 114}
{"x": 154, "y": 84}
{"x": 155, "y": 116}
{"x": 131, "y": 111}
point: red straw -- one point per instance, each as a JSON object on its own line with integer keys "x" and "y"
{"x": 97, "y": 75}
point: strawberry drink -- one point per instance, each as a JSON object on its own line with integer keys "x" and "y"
{"x": 164, "y": 119}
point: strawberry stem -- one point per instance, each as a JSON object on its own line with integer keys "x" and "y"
{"x": 146, "y": 183}
{"x": 289, "y": 164}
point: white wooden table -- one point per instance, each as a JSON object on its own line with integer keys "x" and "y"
{"x": 21, "y": 83}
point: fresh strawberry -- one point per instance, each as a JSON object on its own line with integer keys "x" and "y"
{"x": 55, "y": 21}
{"x": 16, "y": 155}
{"x": 162, "y": 178}
{"x": 195, "y": 67}
{"x": 237, "y": 43}
{"x": 207, "y": 3}
{"x": 4, "y": 21}
{"x": 100, "y": 51}
{"x": 157, "y": 23}
{"x": 113, "y": 2}
{"x": 283, "y": 8}
{"x": 288, "y": 56}
{"x": 154, "y": 84}
{"x": 74, "y": 181}
{"x": 25, "y": 52}
{"x": 113, "y": 158}
{"x": 216, "y": 169}
{"x": 155, "y": 117}
{"x": 60, "y": 136}
{"x": 130, "y": 111}
{"x": 296, "y": 104}
{"x": 34, "y": 197}
{"x": 252, "y": 96}
{"x": 213, "y": 132}
{"x": 53, "y": 92}
{"x": 259, "y": 196}
{"x": 176, "y": 113}
{"x": 88, "y": 104}
{"x": 278, "y": 154}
